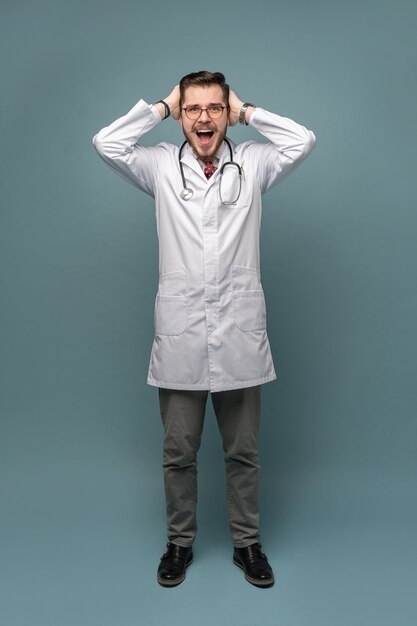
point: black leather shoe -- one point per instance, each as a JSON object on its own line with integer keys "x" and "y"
{"x": 255, "y": 565}
{"x": 171, "y": 570}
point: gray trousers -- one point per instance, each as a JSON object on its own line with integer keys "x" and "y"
{"x": 238, "y": 415}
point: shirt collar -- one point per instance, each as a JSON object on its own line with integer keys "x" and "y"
{"x": 215, "y": 160}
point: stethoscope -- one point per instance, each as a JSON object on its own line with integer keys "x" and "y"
{"x": 187, "y": 192}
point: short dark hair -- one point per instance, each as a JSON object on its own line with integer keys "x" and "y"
{"x": 204, "y": 79}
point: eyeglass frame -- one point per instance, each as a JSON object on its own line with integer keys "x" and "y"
{"x": 222, "y": 106}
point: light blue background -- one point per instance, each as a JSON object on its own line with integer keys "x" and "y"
{"x": 82, "y": 521}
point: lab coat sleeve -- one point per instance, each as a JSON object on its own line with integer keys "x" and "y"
{"x": 117, "y": 146}
{"x": 289, "y": 144}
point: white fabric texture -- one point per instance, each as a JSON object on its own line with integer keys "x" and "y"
{"x": 210, "y": 318}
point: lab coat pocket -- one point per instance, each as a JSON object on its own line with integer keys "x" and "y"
{"x": 249, "y": 309}
{"x": 171, "y": 304}
{"x": 170, "y": 315}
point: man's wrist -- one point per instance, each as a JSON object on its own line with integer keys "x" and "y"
{"x": 245, "y": 112}
{"x": 163, "y": 109}
{"x": 248, "y": 113}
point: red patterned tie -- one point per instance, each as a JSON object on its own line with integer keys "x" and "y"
{"x": 209, "y": 169}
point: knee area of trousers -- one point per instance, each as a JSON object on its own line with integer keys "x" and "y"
{"x": 241, "y": 448}
{"x": 242, "y": 457}
{"x": 180, "y": 454}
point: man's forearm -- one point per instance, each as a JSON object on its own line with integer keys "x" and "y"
{"x": 289, "y": 137}
{"x": 117, "y": 145}
{"x": 121, "y": 135}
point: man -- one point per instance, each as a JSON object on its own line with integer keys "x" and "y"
{"x": 210, "y": 321}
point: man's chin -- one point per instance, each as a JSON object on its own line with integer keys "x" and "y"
{"x": 206, "y": 156}
{"x": 205, "y": 153}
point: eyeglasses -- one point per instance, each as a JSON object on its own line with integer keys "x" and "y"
{"x": 214, "y": 111}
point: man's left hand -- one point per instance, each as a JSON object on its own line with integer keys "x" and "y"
{"x": 235, "y": 105}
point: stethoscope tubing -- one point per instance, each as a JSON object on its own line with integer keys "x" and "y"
{"x": 187, "y": 192}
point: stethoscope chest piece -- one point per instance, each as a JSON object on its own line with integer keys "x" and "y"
{"x": 186, "y": 193}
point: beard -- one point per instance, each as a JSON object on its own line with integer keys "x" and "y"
{"x": 204, "y": 144}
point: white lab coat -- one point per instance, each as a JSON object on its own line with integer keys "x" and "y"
{"x": 210, "y": 318}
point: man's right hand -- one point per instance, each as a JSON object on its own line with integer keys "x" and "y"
{"x": 173, "y": 101}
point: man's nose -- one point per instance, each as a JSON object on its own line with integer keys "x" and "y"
{"x": 204, "y": 116}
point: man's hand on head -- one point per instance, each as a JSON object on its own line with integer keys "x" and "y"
{"x": 173, "y": 101}
{"x": 235, "y": 105}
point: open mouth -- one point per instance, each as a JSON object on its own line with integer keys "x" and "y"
{"x": 205, "y": 136}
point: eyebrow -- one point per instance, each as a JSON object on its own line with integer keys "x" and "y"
{"x": 211, "y": 104}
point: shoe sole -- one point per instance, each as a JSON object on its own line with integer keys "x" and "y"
{"x": 175, "y": 581}
{"x": 255, "y": 581}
